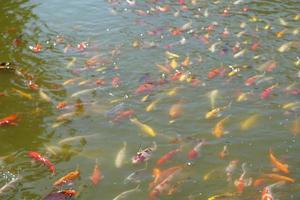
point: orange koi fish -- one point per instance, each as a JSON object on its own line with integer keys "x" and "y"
{"x": 167, "y": 156}
{"x": 96, "y": 175}
{"x": 279, "y": 165}
{"x": 176, "y": 110}
{"x": 165, "y": 183}
{"x": 224, "y": 153}
{"x": 9, "y": 120}
{"x": 218, "y": 130}
{"x": 278, "y": 177}
{"x": 38, "y": 157}
{"x": 67, "y": 178}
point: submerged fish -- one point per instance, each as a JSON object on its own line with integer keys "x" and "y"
{"x": 279, "y": 165}
{"x": 9, "y": 185}
{"x": 137, "y": 176}
{"x": 212, "y": 95}
{"x": 96, "y": 175}
{"x": 121, "y": 156}
{"x": 74, "y": 138}
{"x": 249, "y": 122}
{"x": 126, "y": 194}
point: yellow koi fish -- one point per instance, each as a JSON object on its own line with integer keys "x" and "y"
{"x": 218, "y": 130}
{"x": 144, "y": 127}
{"x": 23, "y": 94}
{"x": 222, "y": 196}
{"x": 249, "y": 122}
{"x": 152, "y": 105}
{"x": 213, "y": 113}
{"x": 171, "y": 55}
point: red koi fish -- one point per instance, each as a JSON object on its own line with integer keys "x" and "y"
{"x": 255, "y": 46}
{"x": 9, "y": 120}
{"x": 38, "y": 157}
{"x": 181, "y": 2}
{"x": 96, "y": 176}
{"x": 123, "y": 115}
{"x": 194, "y": 153}
{"x": 251, "y": 80}
{"x": 267, "y": 92}
{"x": 115, "y": 82}
{"x": 215, "y": 72}
{"x": 176, "y": 76}
{"x": 145, "y": 88}
{"x": 168, "y": 156}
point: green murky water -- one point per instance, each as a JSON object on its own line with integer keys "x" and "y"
{"x": 94, "y": 56}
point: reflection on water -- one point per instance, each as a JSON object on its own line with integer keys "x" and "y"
{"x": 92, "y": 84}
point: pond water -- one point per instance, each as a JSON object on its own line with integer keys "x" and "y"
{"x": 91, "y": 83}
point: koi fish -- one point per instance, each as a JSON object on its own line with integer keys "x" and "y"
{"x": 171, "y": 55}
{"x": 222, "y": 196}
{"x": 249, "y": 122}
{"x": 38, "y": 157}
{"x": 120, "y": 156}
{"x": 164, "y": 182}
{"x": 267, "y": 191}
{"x": 212, "y": 95}
{"x": 215, "y": 72}
{"x": 268, "y": 66}
{"x": 67, "y": 178}
{"x": 61, "y": 195}
{"x": 9, "y": 120}
{"x": 74, "y": 138}
{"x": 176, "y": 110}
{"x": 239, "y": 54}
{"x": 267, "y": 91}
{"x": 251, "y": 80}
{"x": 10, "y": 184}
{"x": 218, "y": 130}
{"x": 287, "y": 46}
{"x": 23, "y": 94}
{"x": 137, "y": 176}
{"x": 116, "y": 81}
{"x": 241, "y": 183}
{"x": 278, "y": 177}
{"x": 44, "y": 96}
{"x": 144, "y": 127}
{"x": 208, "y": 175}
{"x": 295, "y": 129}
{"x": 230, "y": 169}
{"x": 224, "y": 153}
{"x": 168, "y": 156}
{"x": 292, "y": 105}
{"x": 186, "y": 62}
{"x": 72, "y": 62}
{"x": 144, "y": 155}
{"x": 152, "y": 105}
{"x": 145, "y": 88}
{"x": 123, "y": 115}
{"x": 243, "y": 96}
{"x": 37, "y": 48}
{"x": 125, "y": 194}
{"x": 213, "y": 113}
{"x": 279, "y": 165}
{"x": 96, "y": 175}
{"x": 194, "y": 153}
